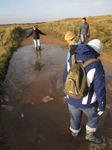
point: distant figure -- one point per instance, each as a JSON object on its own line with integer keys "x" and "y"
{"x": 71, "y": 40}
{"x": 36, "y": 38}
{"x": 83, "y": 30}
{"x": 94, "y": 103}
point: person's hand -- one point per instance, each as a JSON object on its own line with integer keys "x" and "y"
{"x": 99, "y": 112}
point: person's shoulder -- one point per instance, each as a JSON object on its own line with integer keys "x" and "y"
{"x": 98, "y": 65}
{"x": 87, "y": 23}
{"x": 81, "y": 24}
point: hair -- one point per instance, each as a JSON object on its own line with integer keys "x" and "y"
{"x": 84, "y": 18}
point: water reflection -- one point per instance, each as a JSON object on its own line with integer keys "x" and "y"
{"x": 38, "y": 63}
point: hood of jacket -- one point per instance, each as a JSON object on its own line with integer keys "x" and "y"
{"x": 85, "y": 52}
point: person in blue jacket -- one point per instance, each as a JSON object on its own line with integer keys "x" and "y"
{"x": 93, "y": 105}
{"x": 71, "y": 40}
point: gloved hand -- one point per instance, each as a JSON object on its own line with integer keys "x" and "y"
{"x": 99, "y": 112}
{"x": 87, "y": 35}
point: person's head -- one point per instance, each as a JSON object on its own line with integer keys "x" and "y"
{"x": 84, "y": 20}
{"x": 97, "y": 45}
{"x": 34, "y": 27}
{"x": 69, "y": 37}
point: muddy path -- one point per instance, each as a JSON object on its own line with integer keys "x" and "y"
{"x": 28, "y": 121}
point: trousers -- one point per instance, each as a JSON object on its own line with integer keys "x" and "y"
{"x": 83, "y": 38}
{"x": 76, "y": 116}
{"x": 36, "y": 42}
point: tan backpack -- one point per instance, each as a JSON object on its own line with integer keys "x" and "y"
{"x": 76, "y": 80}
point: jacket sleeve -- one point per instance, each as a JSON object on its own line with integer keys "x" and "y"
{"x": 79, "y": 33}
{"x": 99, "y": 87}
{"x": 68, "y": 55}
{"x": 64, "y": 75}
{"x": 30, "y": 34}
{"x": 88, "y": 30}
{"x": 40, "y": 32}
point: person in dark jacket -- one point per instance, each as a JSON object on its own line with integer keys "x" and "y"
{"x": 93, "y": 105}
{"x": 83, "y": 30}
{"x": 36, "y": 38}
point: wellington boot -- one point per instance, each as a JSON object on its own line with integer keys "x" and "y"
{"x": 90, "y": 137}
{"x": 75, "y": 134}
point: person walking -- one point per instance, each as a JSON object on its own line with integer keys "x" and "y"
{"x": 72, "y": 41}
{"x": 36, "y": 38}
{"x": 83, "y": 30}
{"x": 94, "y": 103}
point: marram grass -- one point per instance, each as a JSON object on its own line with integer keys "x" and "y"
{"x": 10, "y": 38}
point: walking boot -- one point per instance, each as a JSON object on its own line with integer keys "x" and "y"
{"x": 90, "y": 137}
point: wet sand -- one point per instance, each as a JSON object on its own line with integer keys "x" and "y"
{"x": 35, "y": 124}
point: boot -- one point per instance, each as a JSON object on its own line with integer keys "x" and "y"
{"x": 74, "y": 134}
{"x": 90, "y": 137}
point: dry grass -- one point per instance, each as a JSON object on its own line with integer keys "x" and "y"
{"x": 100, "y": 27}
{"x": 10, "y": 37}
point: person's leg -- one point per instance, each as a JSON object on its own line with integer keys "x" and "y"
{"x": 93, "y": 118}
{"x": 39, "y": 45}
{"x": 75, "y": 119}
{"x": 35, "y": 43}
{"x": 83, "y": 38}
{"x": 92, "y": 124}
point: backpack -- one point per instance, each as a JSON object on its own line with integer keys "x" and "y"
{"x": 76, "y": 80}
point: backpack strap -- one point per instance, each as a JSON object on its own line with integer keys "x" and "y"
{"x": 73, "y": 59}
{"x": 72, "y": 53}
{"x": 90, "y": 61}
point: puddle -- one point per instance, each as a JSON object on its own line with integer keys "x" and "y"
{"x": 28, "y": 72}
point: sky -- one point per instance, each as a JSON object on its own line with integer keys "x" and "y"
{"x": 32, "y": 11}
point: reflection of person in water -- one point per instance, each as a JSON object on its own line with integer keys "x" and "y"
{"x": 38, "y": 62}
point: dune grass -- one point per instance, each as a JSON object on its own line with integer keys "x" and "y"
{"x": 10, "y": 38}
{"x": 100, "y": 27}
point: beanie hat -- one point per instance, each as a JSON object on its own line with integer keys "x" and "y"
{"x": 97, "y": 45}
{"x": 69, "y": 36}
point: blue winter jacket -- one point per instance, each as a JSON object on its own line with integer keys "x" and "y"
{"x": 95, "y": 77}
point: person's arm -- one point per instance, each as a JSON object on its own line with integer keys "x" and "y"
{"x": 88, "y": 30}
{"x": 40, "y": 32}
{"x": 99, "y": 87}
{"x": 79, "y": 33}
{"x": 65, "y": 74}
{"x": 29, "y": 34}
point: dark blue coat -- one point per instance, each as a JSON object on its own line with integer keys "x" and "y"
{"x": 95, "y": 76}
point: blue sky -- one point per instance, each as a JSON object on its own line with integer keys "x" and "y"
{"x": 27, "y": 11}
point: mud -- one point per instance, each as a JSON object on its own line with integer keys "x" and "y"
{"x": 35, "y": 123}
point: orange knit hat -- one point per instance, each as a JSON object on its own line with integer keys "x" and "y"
{"x": 69, "y": 36}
